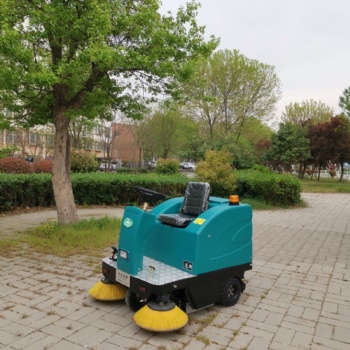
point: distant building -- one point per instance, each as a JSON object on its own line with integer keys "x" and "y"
{"x": 38, "y": 143}
{"x": 125, "y": 145}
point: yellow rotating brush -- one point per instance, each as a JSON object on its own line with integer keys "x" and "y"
{"x": 107, "y": 291}
{"x": 160, "y": 317}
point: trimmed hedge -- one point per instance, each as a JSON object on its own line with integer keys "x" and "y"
{"x": 25, "y": 190}
{"x": 31, "y": 190}
{"x": 275, "y": 189}
{"x": 43, "y": 166}
{"x": 89, "y": 189}
{"x": 15, "y": 165}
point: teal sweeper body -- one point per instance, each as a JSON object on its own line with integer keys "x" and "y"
{"x": 191, "y": 251}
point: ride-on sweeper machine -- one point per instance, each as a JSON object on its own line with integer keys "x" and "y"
{"x": 184, "y": 254}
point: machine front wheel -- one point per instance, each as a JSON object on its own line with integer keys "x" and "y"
{"x": 231, "y": 291}
{"x": 134, "y": 301}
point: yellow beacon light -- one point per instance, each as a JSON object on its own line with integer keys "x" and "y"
{"x": 234, "y": 199}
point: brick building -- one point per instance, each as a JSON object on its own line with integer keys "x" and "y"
{"x": 125, "y": 146}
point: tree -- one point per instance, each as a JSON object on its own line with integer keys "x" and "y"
{"x": 289, "y": 146}
{"x": 256, "y": 136}
{"x": 308, "y": 111}
{"x": 344, "y": 102}
{"x": 321, "y": 153}
{"x": 63, "y": 59}
{"x": 228, "y": 89}
{"x": 339, "y": 141}
{"x": 330, "y": 142}
{"x": 168, "y": 130}
{"x": 79, "y": 128}
{"x": 216, "y": 169}
{"x": 106, "y": 136}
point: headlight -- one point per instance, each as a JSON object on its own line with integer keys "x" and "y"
{"x": 123, "y": 254}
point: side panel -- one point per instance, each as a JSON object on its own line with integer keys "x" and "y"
{"x": 226, "y": 239}
{"x": 221, "y": 237}
{"x": 134, "y": 230}
{"x": 206, "y": 289}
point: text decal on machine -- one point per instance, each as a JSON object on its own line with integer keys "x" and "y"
{"x": 123, "y": 278}
{"x": 188, "y": 265}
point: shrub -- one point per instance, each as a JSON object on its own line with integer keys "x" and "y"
{"x": 167, "y": 166}
{"x": 43, "y": 166}
{"x": 332, "y": 173}
{"x": 15, "y": 165}
{"x": 216, "y": 170}
{"x": 25, "y": 190}
{"x": 275, "y": 189}
{"x": 262, "y": 169}
{"x": 82, "y": 162}
{"x": 7, "y": 151}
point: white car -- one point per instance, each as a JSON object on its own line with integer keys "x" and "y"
{"x": 152, "y": 164}
{"x": 104, "y": 166}
{"x": 188, "y": 166}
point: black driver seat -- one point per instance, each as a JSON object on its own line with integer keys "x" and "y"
{"x": 195, "y": 202}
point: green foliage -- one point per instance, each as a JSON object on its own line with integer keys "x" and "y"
{"x": 25, "y": 190}
{"x": 262, "y": 169}
{"x": 32, "y": 190}
{"x": 81, "y": 52}
{"x": 15, "y": 165}
{"x": 244, "y": 157}
{"x": 132, "y": 171}
{"x": 114, "y": 188}
{"x": 167, "y": 166}
{"x": 228, "y": 89}
{"x": 289, "y": 146}
{"x": 308, "y": 111}
{"x": 330, "y": 141}
{"x": 82, "y": 162}
{"x": 7, "y": 151}
{"x": 43, "y": 166}
{"x": 217, "y": 171}
{"x": 274, "y": 189}
{"x": 167, "y": 130}
{"x": 60, "y": 60}
{"x": 344, "y": 102}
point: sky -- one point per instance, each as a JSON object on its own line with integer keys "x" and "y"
{"x": 307, "y": 41}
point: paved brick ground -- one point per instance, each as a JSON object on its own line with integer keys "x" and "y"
{"x": 297, "y": 296}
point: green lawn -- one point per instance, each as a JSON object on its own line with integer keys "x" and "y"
{"x": 324, "y": 185}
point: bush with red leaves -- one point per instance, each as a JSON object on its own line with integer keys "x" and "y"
{"x": 43, "y": 166}
{"x": 15, "y": 165}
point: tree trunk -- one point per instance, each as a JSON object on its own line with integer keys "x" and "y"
{"x": 61, "y": 179}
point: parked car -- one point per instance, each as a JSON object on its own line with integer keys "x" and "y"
{"x": 152, "y": 164}
{"x": 187, "y": 166}
{"x": 104, "y": 166}
{"x": 191, "y": 166}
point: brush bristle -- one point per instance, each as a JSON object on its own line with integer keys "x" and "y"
{"x": 160, "y": 321}
{"x": 108, "y": 292}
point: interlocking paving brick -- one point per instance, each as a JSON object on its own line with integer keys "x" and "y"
{"x": 297, "y": 296}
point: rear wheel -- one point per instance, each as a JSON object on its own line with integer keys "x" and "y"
{"x": 231, "y": 291}
{"x": 134, "y": 300}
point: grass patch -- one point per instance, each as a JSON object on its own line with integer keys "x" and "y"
{"x": 259, "y": 204}
{"x": 325, "y": 185}
{"x": 88, "y": 237}
{"x": 8, "y": 246}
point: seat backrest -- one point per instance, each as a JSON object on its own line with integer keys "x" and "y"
{"x": 196, "y": 198}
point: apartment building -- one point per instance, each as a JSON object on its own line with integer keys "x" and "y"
{"x": 116, "y": 141}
